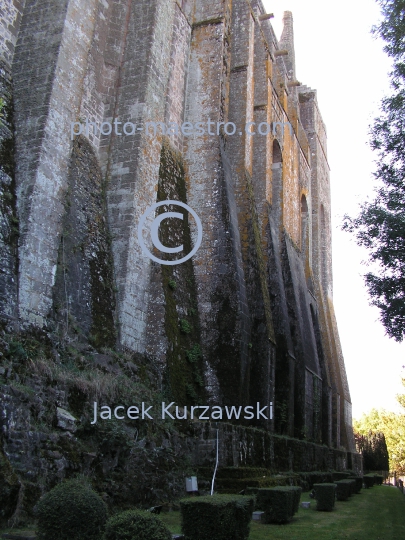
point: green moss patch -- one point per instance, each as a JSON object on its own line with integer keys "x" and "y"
{"x": 184, "y": 376}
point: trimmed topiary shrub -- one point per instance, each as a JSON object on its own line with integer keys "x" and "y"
{"x": 378, "y": 479}
{"x": 71, "y": 511}
{"x": 353, "y": 488}
{"x": 343, "y": 489}
{"x": 220, "y": 517}
{"x": 136, "y": 525}
{"x": 358, "y": 483}
{"x": 325, "y": 496}
{"x": 297, "y": 497}
{"x": 252, "y": 492}
{"x": 368, "y": 480}
{"x": 242, "y": 472}
{"x": 277, "y": 504}
{"x": 296, "y": 490}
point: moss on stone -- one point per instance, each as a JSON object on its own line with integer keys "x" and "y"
{"x": 183, "y": 378}
{"x": 8, "y": 199}
{"x": 84, "y": 292}
{"x": 103, "y": 330}
{"x": 9, "y": 487}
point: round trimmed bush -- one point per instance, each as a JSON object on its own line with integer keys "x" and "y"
{"x": 71, "y": 511}
{"x": 136, "y": 525}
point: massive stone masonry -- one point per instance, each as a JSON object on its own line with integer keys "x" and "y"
{"x": 250, "y": 317}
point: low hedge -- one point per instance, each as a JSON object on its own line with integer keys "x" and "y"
{"x": 278, "y": 504}
{"x": 350, "y": 472}
{"x": 343, "y": 489}
{"x": 223, "y": 517}
{"x": 233, "y": 472}
{"x": 71, "y": 511}
{"x": 338, "y": 475}
{"x": 308, "y": 479}
{"x": 242, "y": 472}
{"x": 252, "y": 491}
{"x": 325, "y": 496}
{"x": 378, "y": 479}
{"x": 136, "y": 525}
{"x": 368, "y": 480}
{"x": 237, "y": 484}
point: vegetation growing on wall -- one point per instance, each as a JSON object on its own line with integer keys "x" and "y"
{"x": 84, "y": 299}
{"x": 131, "y": 462}
{"x": 184, "y": 377}
{"x": 10, "y": 227}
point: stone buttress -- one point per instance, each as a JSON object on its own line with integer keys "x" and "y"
{"x": 250, "y": 318}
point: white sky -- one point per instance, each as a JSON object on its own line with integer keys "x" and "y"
{"x": 337, "y": 56}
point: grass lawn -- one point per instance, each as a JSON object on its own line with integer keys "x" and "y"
{"x": 375, "y": 514}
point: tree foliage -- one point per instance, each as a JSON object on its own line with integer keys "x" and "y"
{"x": 380, "y": 225}
{"x": 374, "y": 450}
{"x": 392, "y": 425}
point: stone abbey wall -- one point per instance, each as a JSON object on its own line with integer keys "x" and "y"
{"x": 255, "y": 303}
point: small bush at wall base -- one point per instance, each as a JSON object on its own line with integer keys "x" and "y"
{"x": 220, "y": 517}
{"x": 136, "y": 525}
{"x": 378, "y": 479}
{"x": 368, "y": 480}
{"x": 71, "y": 511}
{"x": 296, "y": 491}
{"x": 358, "y": 483}
{"x": 353, "y": 486}
{"x": 297, "y": 497}
{"x": 252, "y": 491}
{"x": 277, "y": 504}
{"x": 325, "y": 496}
{"x": 343, "y": 490}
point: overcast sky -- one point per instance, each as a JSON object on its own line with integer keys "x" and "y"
{"x": 337, "y": 56}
